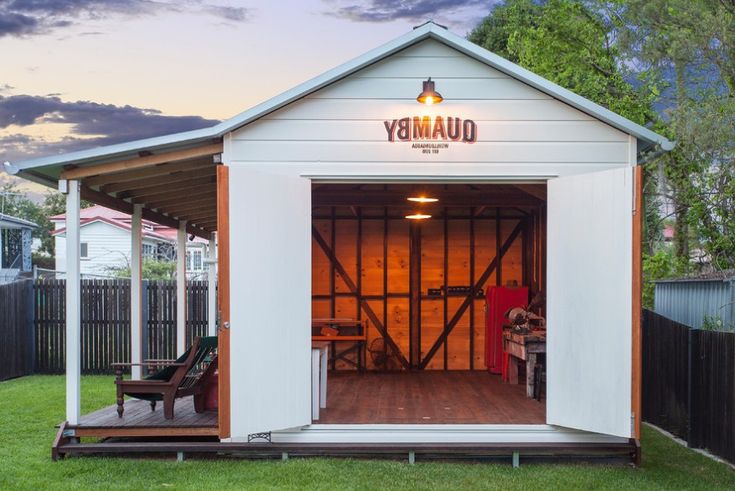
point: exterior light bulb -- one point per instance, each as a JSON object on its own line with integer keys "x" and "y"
{"x": 429, "y": 95}
{"x": 418, "y": 216}
{"x": 422, "y": 199}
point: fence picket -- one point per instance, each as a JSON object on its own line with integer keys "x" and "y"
{"x": 689, "y": 383}
{"x": 105, "y": 315}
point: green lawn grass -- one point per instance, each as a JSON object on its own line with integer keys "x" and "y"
{"x": 31, "y": 406}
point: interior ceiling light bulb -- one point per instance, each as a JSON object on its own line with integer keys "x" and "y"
{"x": 422, "y": 199}
{"x": 418, "y": 216}
{"x": 429, "y": 95}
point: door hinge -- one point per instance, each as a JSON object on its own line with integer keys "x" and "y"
{"x": 632, "y": 423}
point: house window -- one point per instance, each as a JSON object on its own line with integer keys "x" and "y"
{"x": 194, "y": 260}
{"x": 84, "y": 250}
{"x": 149, "y": 251}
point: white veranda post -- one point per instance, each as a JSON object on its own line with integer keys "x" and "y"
{"x": 136, "y": 298}
{"x": 212, "y": 288}
{"x": 181, "y": 289}
{"x": 73, "y": 302}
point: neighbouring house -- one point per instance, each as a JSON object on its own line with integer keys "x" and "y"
{"x": 15, "y": 247}
{"x": 381, "y": 213}
{"x": 105, "y": 243}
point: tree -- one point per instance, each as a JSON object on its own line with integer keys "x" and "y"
{"x": 689, "y": 47}
{"x": 153, "y": 269}
{"x": 572, "y": 44}
{"x": 16, "y": 203}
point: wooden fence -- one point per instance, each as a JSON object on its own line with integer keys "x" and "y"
{"x": 16, "y": 330}
{"x": 105, "y": 319}
{"x": 689, "y": 383}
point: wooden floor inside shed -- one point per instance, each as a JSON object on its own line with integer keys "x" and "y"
{"x": 427, "y": 397}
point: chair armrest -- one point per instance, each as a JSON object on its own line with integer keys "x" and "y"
{"x": 119, "y": 366}
{"x": 149, "y": 362}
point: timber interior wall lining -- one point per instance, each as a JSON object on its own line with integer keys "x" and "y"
{"x": 377, "y": 243}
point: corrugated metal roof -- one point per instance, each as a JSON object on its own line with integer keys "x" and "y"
{"x": 17, "y": 222}
{"x": 430, "y": 30}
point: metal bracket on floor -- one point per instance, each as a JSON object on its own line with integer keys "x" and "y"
{"x": 260, "y": 436}
{"x": 412, "y": 457}
{"x": 516, "y": 460}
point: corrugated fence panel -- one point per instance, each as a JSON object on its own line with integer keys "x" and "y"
{"x": 688, "y": 302}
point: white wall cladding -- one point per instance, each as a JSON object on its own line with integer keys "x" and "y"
{"x": 520, "y": 129}
{"x": 338, "y": 133}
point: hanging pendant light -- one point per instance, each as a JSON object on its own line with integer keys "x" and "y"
{"x": 429, "y": 95}
{"x": 418, "y": 216}
{"x": 422, "y": 199}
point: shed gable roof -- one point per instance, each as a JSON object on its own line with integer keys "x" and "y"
{"x": 430, "y": 30}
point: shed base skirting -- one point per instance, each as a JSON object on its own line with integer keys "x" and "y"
{"x": 625, "y": 452}
{"x": 511, "y": 447}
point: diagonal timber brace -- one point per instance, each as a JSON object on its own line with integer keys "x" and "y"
{"x": 363, "y": 303}
{"x": 471, "y": 296}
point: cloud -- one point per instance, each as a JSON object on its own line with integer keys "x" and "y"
{"x": 411, "y": 10}
{"x": 31, "y": 17}
{"x": 91, "y": 124}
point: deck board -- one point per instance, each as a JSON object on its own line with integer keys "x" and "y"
{"x": 139, "y": 420}
{"x": 428, "y": 397}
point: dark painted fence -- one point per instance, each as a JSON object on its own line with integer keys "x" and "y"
{"x": 105, "y": 319}
{"x": 712, "y": 392}
{"x": 666, "y": 373}
{"x": 16, "y": 330}
{"x": 689, "y": 383}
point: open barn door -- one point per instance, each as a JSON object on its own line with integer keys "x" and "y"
{"x": 270, "y": 290}
{"x": 589, "y": 301}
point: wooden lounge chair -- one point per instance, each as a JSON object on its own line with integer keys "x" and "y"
{"x": 188, "y": 375}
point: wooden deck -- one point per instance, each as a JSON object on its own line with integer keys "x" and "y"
{"x": 438, "y": 397}
{"x": 139, "y": 421}
{"x": 425, "y": 397}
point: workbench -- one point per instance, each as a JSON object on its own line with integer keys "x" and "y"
{"x": 523, "y": 347}
{"x": 346, "y": 331}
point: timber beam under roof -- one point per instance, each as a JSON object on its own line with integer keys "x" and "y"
{"x": 126, "y": 207}
{"x": 464, "y": 198}
{"x": 122, "y": 166}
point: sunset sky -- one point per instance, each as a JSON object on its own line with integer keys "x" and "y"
{"x": 81, "y": 73}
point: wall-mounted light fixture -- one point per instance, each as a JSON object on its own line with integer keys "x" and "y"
{"x": 429, "y": 95}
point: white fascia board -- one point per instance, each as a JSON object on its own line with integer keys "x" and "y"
{"x": 426, "y": 31}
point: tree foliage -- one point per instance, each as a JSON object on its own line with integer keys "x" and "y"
{"x": 153, "y": 269}
{"x": 570, "y": 43}
{"x": 14, "y": 202}
{"x": 668, "y": 64}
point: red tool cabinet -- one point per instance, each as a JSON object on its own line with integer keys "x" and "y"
{"x": 499, "y": 300}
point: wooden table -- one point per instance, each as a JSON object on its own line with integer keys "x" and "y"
{"x": 523, "y": 347}
{"x": 319, "y": 357}
{"x": 348, "y": 330}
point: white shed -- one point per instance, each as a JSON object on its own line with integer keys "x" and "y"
{"x": 530, "y": 188}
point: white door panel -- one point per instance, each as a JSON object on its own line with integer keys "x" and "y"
{"x": 270, "y": 296}
{"x": 589, "y": 301}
